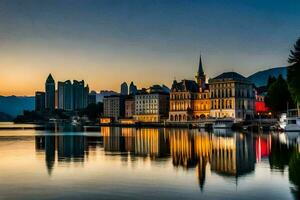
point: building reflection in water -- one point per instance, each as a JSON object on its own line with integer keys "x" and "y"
{"x": 64, "y": 148}
{"x": 137, "y": 142}
{"x": 230, "y": 155}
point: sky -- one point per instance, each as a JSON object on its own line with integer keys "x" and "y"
{"x": 106, "y": 42}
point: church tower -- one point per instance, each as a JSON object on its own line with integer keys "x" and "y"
{"x": 200, "y": 76}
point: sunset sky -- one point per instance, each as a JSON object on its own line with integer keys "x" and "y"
{"x": 106, "y": 42}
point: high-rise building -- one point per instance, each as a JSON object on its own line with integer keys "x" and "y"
{"x": 68, "y": 96}
{"x": 86, "y": 96}
{"x": 92, "y": 97}
{"x": 78, "y": 94}
{"x": 124, "y": 88}
{"x": 39, "y": 101}
{"x": 231, "y": 95}
{"x": 50, "y": 93}
{"x": 132, "y": 89}
{"x": 60, "y": 94}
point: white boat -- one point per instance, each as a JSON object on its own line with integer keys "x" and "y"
{"x": 282, "y": 121}
{"x": 293, "y": 121}
{"x": 223, "y": 123}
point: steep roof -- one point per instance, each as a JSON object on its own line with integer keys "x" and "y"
{"x": 200, "y": 68}
{"x": 233, "y": 76}
{"x": 185, "y": 85}
{"x": 50, "y": 79}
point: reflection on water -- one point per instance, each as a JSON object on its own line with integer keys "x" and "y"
{"x": 230, "y": 156}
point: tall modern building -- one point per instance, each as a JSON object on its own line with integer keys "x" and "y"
{"x": 60, "y": 95}
{"x": 86, "y": 96}
{"x": 50, "y": 93}
{"x": 68, "y": 96}
{"x": 39, "y": 101}
{"x": 78, "y": 94}
{"x": 124, "y": 88}
{"x": 132, "y": 89}
{"x": 92, "y": 97}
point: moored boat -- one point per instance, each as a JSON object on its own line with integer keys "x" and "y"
{"x": 223, "y": 123}
{"x": 293, "y": 121}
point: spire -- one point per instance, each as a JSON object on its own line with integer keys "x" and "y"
{"x": 50, "y": 79}
{"x": 200, "y": 68}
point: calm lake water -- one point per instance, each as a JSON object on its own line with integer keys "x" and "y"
{"x": 131, "y": 163}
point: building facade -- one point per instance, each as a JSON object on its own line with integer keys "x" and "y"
{"x": 124, "y": 88}
{"x": 78, "y": 94}
{"x": 68, "y": 96}
{"x": 114, "y": 106}
{"x": 129, "y": 107}
{"x": 60, "y": 95}
{"x": 132, "y": 89}
{"x": 231, "y": 96}
{"x": 92, "y": 97}
{"x": 39, "y": 101}
{"x": 50, "y": 93}
{"x": 152, "y": 105}
{"x": 189, "y": 99}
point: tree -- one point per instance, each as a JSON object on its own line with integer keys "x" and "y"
{"x": 278, "y": 96}
{"x": 294, "y": 167}
{"x": 93, "y": 111}
{"x": 271, "y": 79}
{"x": 293, "y": 75}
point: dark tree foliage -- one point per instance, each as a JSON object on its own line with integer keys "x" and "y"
{"x": 294, "y": 176}
{"x": 93, "y": 111}
{"x": 278, "y": 96}
{"x": 293, "y": 75}
{"x": 271, "y": 79}
{"x": 295, "y": 53}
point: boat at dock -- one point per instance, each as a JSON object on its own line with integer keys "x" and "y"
{"x": 223, "y": 124}
{"x": 293, "y": 121}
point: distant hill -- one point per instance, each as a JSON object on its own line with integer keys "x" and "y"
{"x": 104, "y": 93}
{"x": 5, "y": 117}
{"x": 261, "y": 78}
{"x": 14, "y": 105}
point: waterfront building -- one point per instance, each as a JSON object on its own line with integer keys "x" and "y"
{"x": 39, "y": 101}
{"x": 129, "y": 107}
{"x": 60, "y": 95}
{"x": 231, "y": 95}
{"x": 68, "y": 96}
{"x": 124, "y": 89}
{"x": 92, "y": 97}
{"x": 50, "y": 93}
{"x": 152, "y": 105}
{"x": 189, "y": 99}
{"x": 260, "y": 105}
{"x": 132, "y": 89}
{"x": 114, "y": 106}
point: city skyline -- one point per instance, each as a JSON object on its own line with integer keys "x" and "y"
{"x": 107, "y": 43}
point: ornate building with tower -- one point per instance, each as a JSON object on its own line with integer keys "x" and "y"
{"x": 189, "y": 99}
